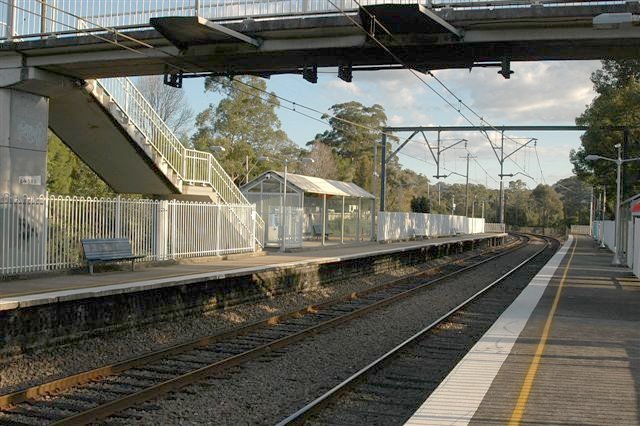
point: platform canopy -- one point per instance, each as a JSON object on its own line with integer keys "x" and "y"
{"x": 316, "y": 185}
{"x": 316, "y": 207}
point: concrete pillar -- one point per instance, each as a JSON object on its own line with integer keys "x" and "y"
{"x": 23, "y": 172}
{"x": 23, "y": 143}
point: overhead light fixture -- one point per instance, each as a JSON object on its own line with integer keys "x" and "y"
{"x": 310, "y": 73}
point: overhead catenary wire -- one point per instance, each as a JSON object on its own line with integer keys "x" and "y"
{"x": 399, "y": 60}
{"x": 540, "y": 165}
{"x": 293, "y": 103}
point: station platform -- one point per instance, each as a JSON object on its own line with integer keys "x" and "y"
{"x": 30, "y": 292}
{"x": 567, "y": 351}
{"x": 37, "y": 312}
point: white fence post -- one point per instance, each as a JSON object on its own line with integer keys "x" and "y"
{"x": 162, "y": 231}
{"x": 218, "y": 217}
{"x": 118, "y": 217}
{"x": 11, "y": 19}
{"x": 253, "y": 228}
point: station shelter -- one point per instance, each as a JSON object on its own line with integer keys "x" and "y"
{"x": 318, "y": 211}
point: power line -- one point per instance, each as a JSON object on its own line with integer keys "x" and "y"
{"x": 540, "y": 165}
{"x": 395, "y": 57}
{"x": 293, "y": 103}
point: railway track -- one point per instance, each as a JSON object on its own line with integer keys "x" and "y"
{"x": 102, "y": 392}
{"x": 391, "y": 388}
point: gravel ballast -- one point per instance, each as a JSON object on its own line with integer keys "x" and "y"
{"x": 268, "y": 389}
{"x": 37, "y": 367}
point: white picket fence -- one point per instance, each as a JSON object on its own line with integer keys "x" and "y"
{"x": 44, "y": 233}
{"x": 393, "y": 226}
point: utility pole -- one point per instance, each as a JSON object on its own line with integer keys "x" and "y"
{"x": 383, "y": 172}
{"x": 466, "y": 197}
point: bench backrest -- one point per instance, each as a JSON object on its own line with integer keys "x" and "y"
{"x": 106, "y": 248}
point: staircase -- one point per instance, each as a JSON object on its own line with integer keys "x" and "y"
{"x": 195, "y": 173}
{"x": 187, "y": 173}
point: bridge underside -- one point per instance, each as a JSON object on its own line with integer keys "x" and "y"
{"x": 289, "y": 45}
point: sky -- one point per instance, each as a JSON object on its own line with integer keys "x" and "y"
{"x": 538, "y": 93}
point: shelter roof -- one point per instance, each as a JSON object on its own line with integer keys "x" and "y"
{"x": 316, "y": 185}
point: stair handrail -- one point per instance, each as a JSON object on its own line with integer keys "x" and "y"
{"x": 190, "y": 165}
{"x": 142, "y": 114}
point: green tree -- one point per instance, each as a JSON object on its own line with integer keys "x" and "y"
{"x": 245, "y": 123}
{"x": 420, "y": 204}
{"x": 617, "y": 104}
{"x": 576, "y": 197}
{"x": 68, "y": 175}
{"x": 354, "y": 144}
{"x": 549, "y": 206}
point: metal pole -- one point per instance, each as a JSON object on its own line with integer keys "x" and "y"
{"x": 284, "y": 208}
{"x": 604, "y": 207}
{"x": 383, "y": 172}
{"x": 616, "y": 245}
{"x": 342, "y": 224}
{"x": 483, "y": 209}
{"x": 11, "y": 19}
{"x": 43, "y": 17}
{"x": 324, "y": 216}
{"x": 246, "y": 165}
{"x": 466, "y": 196}
{"x": 502, "y": 179}
{"x": 373, "y": 188}
{"x": 358, "y": 224}
{"x": 473, "y": 208}
{"x": 591, "y": 213}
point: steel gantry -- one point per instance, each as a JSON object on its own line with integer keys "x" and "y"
{"x": 497, "y": 150}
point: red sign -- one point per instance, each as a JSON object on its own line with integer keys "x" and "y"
{"x": 635, "y": 208}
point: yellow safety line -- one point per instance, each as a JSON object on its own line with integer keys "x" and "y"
{"x": 527, "y": 385}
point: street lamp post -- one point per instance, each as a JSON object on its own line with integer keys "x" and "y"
{"x": 619, "y": 162}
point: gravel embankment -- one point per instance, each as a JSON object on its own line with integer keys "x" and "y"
{"x": 37, "y": 367}
{"x": 268, "y": 389}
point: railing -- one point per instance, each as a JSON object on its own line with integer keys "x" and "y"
{"x": 25, "y": 19}
{"x": 494, "y": 227}
{"x": 44, "y": 233}
{"x": 191, "y": 166}
{"x": 580, "y": 230}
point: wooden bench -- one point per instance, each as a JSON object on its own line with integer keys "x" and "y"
{"x": 107, "y": 250}
{"x": 317, "y": 232}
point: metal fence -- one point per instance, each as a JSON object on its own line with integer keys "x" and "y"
{"x": 494, "y": 227}
{"x": 580, "y": 230}
{"x": 401, "y": 226}
{"x": 44, "y": 233}
{"x": 25, "y": 19}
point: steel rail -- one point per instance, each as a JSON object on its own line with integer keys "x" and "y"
{"x": 305, "y": 412}
{"x": 122, "y": 403}
{"x": 8, "y": 400}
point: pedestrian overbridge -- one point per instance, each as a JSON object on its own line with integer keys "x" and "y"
{"x": 63, "y": 65}
{"x": 266, "y": 37}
